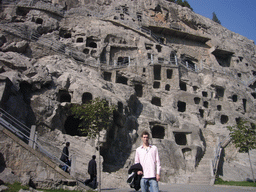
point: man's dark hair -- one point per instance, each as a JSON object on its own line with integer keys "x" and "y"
{"x": 94, "y": 156}
{"x": 67, "y": 144}
{"x": 144, "y": 133}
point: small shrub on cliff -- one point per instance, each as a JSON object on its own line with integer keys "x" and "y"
{"x": 94, "y": 116}
{"x": 182, "y": 3}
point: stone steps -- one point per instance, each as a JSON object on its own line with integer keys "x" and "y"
{"x": 202, "y": 174}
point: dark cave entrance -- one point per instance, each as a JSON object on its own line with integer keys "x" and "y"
{"x": 139, "y": 90}
{"x": 157, "y": 72}
{"x": 180, "y": 138}
{"x": 107, "y": 76}
{"x": 71, "y": 126}
{"x": 181, "y": 106}
{"x": 86, "y": 97}
{"x": 64, "y": 96}
{"x": 156, "y": 101}
{"x": 158, "y": 132}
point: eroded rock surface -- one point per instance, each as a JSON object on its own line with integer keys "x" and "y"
{"x": 179, "y": 75}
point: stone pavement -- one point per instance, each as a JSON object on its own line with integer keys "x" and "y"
{"x": 190, "y": 188}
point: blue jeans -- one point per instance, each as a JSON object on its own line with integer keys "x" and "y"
{"x": 149, "y": 184}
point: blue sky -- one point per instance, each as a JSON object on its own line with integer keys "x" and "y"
{"x": 238, "y": 16}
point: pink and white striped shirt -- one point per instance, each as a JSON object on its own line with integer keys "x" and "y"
{"x": 149, "y": 160}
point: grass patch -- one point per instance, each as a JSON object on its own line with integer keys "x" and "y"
{"x": 16, "y": 187}
{"x": 220, "y": 181}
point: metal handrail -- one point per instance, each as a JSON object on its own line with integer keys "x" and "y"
{"x": 14, "y": 122}
{"x": 16, "y": 127}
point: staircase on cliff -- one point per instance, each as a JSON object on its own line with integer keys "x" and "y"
{"x": 27, "y": 138}
{"x": 203, "y": 173}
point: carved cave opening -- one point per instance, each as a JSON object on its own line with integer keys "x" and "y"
{"x": 139, "y": 90}
{"x": 169, "y": 73}
{"x": 86, "y": 97}
{"x": 159, "y": 48}
{"x": 64, "y": 96}
{"x": 156, "y": 101}
{"x": 121, "y": 79}
{"x": 219, "y": 92}
{"x": 205, "y": 104}
{"x": 204, "y": 94}
{"x": 180, "y": 138}
{"x": 158, "y": 131}
{"x": 234, "y": 98}
{"x": 181, "y": 106}
{"x": 80, "y": 40}
{"x": 107, "y": 76}
{"x": 201, "y": 112}
{"x": 224, "y": 119}
{"x": 122, "y": 60}
{"x": 90, "y": 42}
{"x": 39, "y": 21}
{"x": 219, "y": 107}
{"x": 148, "y": 46}
{"x": 157, "y": 72}
{"x": 167, "y": 87}
{"x": 86, "y": 51}
{"x": 197, "y": 100}
{"x": 183, "y": 86}
{"x": 71, "y": 126}
{"x": 223, "y": 57}
{"x": 156, "y": 85}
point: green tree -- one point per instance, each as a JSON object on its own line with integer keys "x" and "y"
{"x": 243, "y": 135}
{"x": 95, "y": 116}
{"x": 186, "y": 4}
{"x": 215, "y": 18}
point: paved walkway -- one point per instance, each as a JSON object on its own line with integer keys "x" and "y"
{"x": 190, "y": 188}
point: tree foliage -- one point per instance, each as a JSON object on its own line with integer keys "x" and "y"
{"x": 215, "y": 18}
{"x": 243, "y": 135}
{"x": 94, "y": 116}
{"x": 182, "y": 3}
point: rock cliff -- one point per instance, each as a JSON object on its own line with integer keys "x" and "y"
{"x": 170, "y": 71}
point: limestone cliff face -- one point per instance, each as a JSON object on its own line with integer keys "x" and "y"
{"x": 179, "y": 75}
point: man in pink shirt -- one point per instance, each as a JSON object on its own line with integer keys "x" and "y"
{"x": 147, "y": 156}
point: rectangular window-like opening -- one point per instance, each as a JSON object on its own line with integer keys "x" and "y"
{"x": 157, "y": 72}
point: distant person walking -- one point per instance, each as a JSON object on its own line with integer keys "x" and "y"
{"x": 65, "y": 157}
{"x": 92, "y": 170}
{"x": 147, "y": 156}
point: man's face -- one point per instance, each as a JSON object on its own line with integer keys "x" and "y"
{"x": 145, "y": 139}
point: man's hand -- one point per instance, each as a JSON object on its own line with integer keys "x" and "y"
{"x": 139, "y": 173}
{"x": 157, "y": 177}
